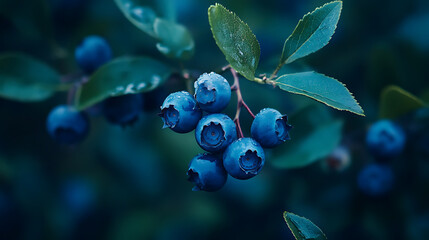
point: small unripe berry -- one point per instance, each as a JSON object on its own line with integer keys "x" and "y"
{"x": 338, "y": 160}
{"x": 215, "y": 132}
{"x": 385, "y": 139}
{"x": 123, "y": 110}
{"x": 244, "y": 158}
{"x": 93, "y": 52}
{"x": 270, "y": 128}
{"x": 67, "y": 125}
{"x": 212, "y": 92}
{"x": 180, "y": 112}
{"x": 206, "y": 171}
{"x": 376, "y": 179}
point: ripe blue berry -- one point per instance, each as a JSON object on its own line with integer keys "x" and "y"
{"x": 270, "y": 128}
{"x": 67, "y": 125}
{"x": 180, "y": 112}
{"x": 93, "y": 52}
{"x": 206, "y": 171}
{"x": 385, "y": 139}
{"x": 376, "y": 179}
{"x": 123, "y": 110}
{"x": 212, "y": 92}
{"x": 215, "y": 132}
{"x": 78, "y": 195}
{"x": 244, "y": 158}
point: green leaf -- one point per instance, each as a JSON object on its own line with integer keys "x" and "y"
{"x": 24, "y": 78}
{"x": 31, "y": 18}
{"x": 302, "y": 228}
{"x": 312, "y": 33}
{"x": 396, "y": 102}
{"x": 235, "y": 40}
{"x": 321, "y": 88}
{"x": 315, "y": 136}
{"x": 122, "y": 76}
{"x": 168, "y": 8}
{"x": 141, "y": 16}
{"x": 175, "y": 39}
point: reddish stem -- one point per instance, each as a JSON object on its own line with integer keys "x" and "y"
{"x": 71, "y": 95}
{"x": 240, "y": 103}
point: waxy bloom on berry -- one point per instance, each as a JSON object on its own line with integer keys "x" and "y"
{"x": 180, "y": 112}
{"x": 215, "y": 132}
{"x": 206, "y": 171}
{"x": 244, "y": 158}
{"x": 212, "y": 92}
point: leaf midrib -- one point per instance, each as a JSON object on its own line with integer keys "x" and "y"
{"x": 287, "y": 59}
{"x": 308, "y": 94}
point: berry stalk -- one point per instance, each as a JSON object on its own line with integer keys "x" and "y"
{"x": 240, "y": 103}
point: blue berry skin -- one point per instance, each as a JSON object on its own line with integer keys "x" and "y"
{"x": 270, "y": 128}
{"x": 212, "y": 92}
{"x": 180, "y": 112}
{"x": 93, "y": 52}
{"x": 244, "y": 158}
{"x": 385, "y": 139}
{"x": 123, "y": 110}
{"x": 215, "y": 132}
{"x": 206, "y": 171}
{"x": 66, "y": 125}
{"x": 78, "y": 195}
{"x": 376, "y": 180}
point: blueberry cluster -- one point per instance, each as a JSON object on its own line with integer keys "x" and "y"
{"x": 66, "y": 125}
{"x": 216, "y": 133}
{"x": 385, "y": 140}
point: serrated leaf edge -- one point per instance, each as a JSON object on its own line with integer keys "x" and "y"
{"x": 351, "y": 94}
{"x": 217, "y": 43}
{"x": 309, "y": 13}
{"x": 287, "y": 223}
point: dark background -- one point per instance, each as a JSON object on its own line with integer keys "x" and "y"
{"x": 130, "y": 183}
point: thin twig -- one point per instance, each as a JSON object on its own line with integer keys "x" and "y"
{"x": 240, "y": 103}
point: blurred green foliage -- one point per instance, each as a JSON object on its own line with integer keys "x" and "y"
{"x": 136, "y": 175}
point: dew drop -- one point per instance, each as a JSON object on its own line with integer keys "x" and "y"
{"x": 141, "y": 86}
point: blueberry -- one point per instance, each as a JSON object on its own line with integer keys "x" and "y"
{"x": 212, "y": 92}
{"x": 93, "y": 52}
{"x": 215, "y": 132}
{"x": 206, "y": 171}
{"x": 123, "y": 110}
{"x": 270, "y": 128}
{"x": 244, "y": 158}
{"x": 385, "y": 139}
{"x": 375, "y": 179}
{"x": 67, "y": 125}
{"x": 180, "y": 112}
{"x": 78, "y": 195}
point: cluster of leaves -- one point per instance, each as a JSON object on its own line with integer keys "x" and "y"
{"x": 235, "y": 39}
{"x": 241, "y": 49}
{"x": 180, "y": 47}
